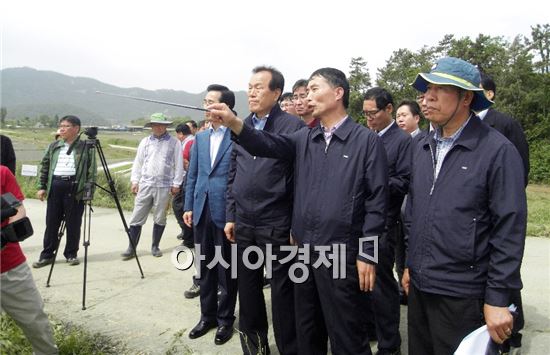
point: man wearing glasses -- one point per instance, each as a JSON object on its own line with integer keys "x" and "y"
{"x": 384, "y": 302}
{"x": 64, "y": 171}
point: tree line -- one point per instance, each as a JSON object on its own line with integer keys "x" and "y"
{"x": 520, "y": 69}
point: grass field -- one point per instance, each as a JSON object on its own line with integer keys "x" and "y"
{"x": 538, "y": 204}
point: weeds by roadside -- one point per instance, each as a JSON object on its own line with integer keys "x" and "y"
{"x": 70, "y": 339}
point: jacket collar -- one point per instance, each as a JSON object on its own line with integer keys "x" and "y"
{"x": 224, "y": 145}
{"x": 342, "y": 132}
{"x": 274, "y": 114}
{"x": 469, "y": 138}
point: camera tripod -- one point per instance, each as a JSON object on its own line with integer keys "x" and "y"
{"x": 91, "y": 145}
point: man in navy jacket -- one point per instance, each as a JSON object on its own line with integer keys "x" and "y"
{"x": 259, "y": 209}
{"x": 383, "y": 308}
{"x": 467, "y": 213}
{"x": 340, "y": 174}
{"x": 511, "y": 129}
{"x": 205, "y": 200}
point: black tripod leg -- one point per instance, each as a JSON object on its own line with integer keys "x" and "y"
{"x": 86, "y": 243}
{"x": 59, "y": 236}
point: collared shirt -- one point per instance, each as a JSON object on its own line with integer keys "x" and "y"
{"x": 482, "y": 114}
{"x": 381, "y": 133}
{"x": 158, "y": 162}
{"x": 415, "y": 132}
{"x": 328, "y": 132}
{"x": 259, "y": 123}
{"x": 216, "y": 137}
{"x": 65, "y": 163}
{"x": 444, "y": 145}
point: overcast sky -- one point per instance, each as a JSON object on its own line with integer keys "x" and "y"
{"x": 186, "y": 45}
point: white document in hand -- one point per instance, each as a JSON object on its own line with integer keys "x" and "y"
{"x": 475, "y": 343}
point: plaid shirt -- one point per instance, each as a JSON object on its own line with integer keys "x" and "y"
{"x": 444, "y": 145}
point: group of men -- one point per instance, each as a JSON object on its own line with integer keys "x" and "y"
{"x": 299, "y": 179}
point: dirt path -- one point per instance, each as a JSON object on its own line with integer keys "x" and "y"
{"x": 150, "y": 314}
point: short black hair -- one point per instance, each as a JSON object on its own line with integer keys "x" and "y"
{"x": 487, "y": 82}
{"x": 335, "y": 78}
{"x": 227, "y": 96}
{"x": 75, "y": 121}
{"x": 183, "y": 128}
{"x": 300, "y": 83}
{"x": 381, "y": 96}
{"x": 192, "y": 123}
{"x": 286, "y": 96}
{"x": 277, "y": 79}
{"x": 414, "y": 107}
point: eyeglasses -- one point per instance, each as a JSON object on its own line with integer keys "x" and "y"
{"x": 371, "y": 114}
{"x": 65, "y": 126}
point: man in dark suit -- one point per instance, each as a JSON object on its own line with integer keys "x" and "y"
{"x": 505, "y": 124}
{"x": 511, "y": 129}
{"x": 259, "y": 212}
{"x": 205, "y": 201}
{"x": 340, "y": 177}
{"x": 384, "y": 301}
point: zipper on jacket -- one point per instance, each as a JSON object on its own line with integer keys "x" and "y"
{"x": 433, "y": 166}
{"x": 474, "y": 244}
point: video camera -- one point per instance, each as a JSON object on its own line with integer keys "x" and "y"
{"x": 18, "y": 230}
{"x": 91, "y": 132}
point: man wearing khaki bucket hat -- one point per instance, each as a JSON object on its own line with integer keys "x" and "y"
{"x": 157, "y": 173}
{"x": 466, "y": 217}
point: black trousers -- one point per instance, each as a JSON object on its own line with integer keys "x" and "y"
{"x": 62, "y": 206}
{"x": 400, "y": 254}
{"x": 437, "y": 324}
{"x": 214, "y": 309}
{"x": 383, "y": 303}
{"x": 336, "y": 300}
{"x": 177, "y": 206}
{"x": 253, "y": 325}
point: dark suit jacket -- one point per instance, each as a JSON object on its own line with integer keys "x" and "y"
{"x": 205, "y": 182}
{"x": 397, "y": 144}
{"x": 511, "y": 129}
{"x": 260, "y": 190}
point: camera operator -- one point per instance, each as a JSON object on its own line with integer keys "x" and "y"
{"x": 64, "y": 172}
{"x": 20, "y": 297}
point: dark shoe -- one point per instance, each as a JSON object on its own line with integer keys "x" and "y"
{"x": 189, "y": 245}
{"x": 200, "y": 329}
{"x": 128, "y": 254}
{"x": 135, "y": 233}
{"x": 155, "y": 251}
{"x": 388, "y": 352}
{"x": 157, "y": 235}
{"x": 42, "y": 262}
{"x": 73, "y": 261}
{"x": 223, "y": 334}
{"x": 193, "y": 292}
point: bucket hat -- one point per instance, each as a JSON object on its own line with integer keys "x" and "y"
{"x": 158, "y": 118}
{"x": 455, "y": 72}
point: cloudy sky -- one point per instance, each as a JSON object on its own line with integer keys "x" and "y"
{"x": 186, "y": 45}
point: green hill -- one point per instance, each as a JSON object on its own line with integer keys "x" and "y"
{"x": 27, "y": 92}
